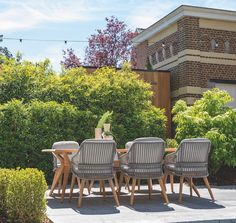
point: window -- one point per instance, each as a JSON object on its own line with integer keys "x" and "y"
{"x": 153, "y": 59}
{"x": 171, "y": 50}
{"x": 213, "y": 44}
{"x": 160, "y": 56}
{"x": 164, "y": 53}
{"x": 227, "y": 46}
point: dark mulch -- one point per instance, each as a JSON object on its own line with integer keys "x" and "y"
{"x": 225, "y": 176}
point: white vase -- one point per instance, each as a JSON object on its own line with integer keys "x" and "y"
{"x": 98, "y": 133}
{"x": 107, "y": 127}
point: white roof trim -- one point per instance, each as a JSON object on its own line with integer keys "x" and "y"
{"x": 184, "y": 10}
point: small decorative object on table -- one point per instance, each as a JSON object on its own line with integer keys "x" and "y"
{"x": 103, "y": 122}
{"x": 171, "y": 143}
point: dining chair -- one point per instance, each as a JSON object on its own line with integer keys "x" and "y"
{"x": 190, "y": 161}
{"x": 56, "y": 161}
{"x": 144, "y": 161}
{"x": 127, "y": 146}
{"x": 93, "y": 162}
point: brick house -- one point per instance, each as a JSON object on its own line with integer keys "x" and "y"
{"x": 197, "y": 45}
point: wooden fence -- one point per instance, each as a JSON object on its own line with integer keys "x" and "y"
{"x": 160, "y": 82}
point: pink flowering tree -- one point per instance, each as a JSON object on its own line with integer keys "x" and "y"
{"x": 111, "y": 46}
{"x": 70, "y": 60}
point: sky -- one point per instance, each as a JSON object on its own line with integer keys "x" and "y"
{"x": 77, "y": 20}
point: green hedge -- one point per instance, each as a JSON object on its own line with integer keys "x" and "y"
{"x": 26, "y": 129}
{"x": 22, "y": 197}
{"x": 210, "y": 117}
{"x": 52, "y": 107}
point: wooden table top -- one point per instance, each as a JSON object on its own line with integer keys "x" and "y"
{"x": 60, "y": 150}
{"x": 168, "y": 150}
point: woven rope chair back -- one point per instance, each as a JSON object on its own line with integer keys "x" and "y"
{"x": 194, "y": 151}
{"x": 147, "y": 152}
{"x": 97, "y": 152}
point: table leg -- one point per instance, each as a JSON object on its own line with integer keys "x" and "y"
{"x": 65, "y": 179}
{"x": 66, "y": 172}
{"x": 56, "y": 178}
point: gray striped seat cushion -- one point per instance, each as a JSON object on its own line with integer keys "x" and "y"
{"x": 196, "y": 170}
{"x": 144, "y": 171}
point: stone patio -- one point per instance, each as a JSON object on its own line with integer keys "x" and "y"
{"x": 96, "y": 209}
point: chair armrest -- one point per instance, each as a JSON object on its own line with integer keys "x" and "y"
{"x": 171, "y": 158}
{"x": 128, "y": 145}
{"x": 124, "y": 158}
{"x": 75, "y": 159}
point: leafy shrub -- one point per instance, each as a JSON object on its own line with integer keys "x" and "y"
{"x": 4, "y": 179}
{"x": 26, "y": 129}
{"x": 54, "y": 107}
{"x": 23, "y": 195}
{"x": 210, "y": 117}
{"x": 23, "y": 80}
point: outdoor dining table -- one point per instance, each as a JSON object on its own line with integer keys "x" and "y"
{"x": 65, "y": 167}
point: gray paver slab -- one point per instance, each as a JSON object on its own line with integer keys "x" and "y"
{"x": 97, "y": 209}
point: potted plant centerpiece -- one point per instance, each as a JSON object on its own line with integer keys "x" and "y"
{"x": 104, "y": 122}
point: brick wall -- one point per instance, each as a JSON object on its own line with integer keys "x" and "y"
{"x": 142, "y": 55}
{"x": 206, "y": 35}
{"x": 193, "y": 73}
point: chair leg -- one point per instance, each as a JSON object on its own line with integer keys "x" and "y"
{"x": 91, "y": 185}
{"x": 114, "y": 192}
{"x": 78, "y": 181}
{"x": 181, "y": 188}
{"x": 72, "y": 186}
{"x": 191, "y": 186}
{"x": 88, "y": 186}
{"x": 149, "y": 187}
{"x": 81, "y": 193}
{"x": 120, "y": 183}
{"x": 163, "y": 191}
{"x": 127, "y": 178}
{"x": 165, "y": 179}
{"x": 100, "y": 186}
{"x": 59, "y": 185}
{"x": 103, "y": 188}
{"x": 116, "y": 181}
{"x": 172, "y": 182}
{"x": 209, "y": 188}
{"x": 132, "y": 193}
{"x": 194, "y": 188}
{"x": 139, "y": 180}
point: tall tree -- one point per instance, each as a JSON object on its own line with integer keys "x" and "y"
{"x": 110, "y": 46}
{"x": 70, "y": 60}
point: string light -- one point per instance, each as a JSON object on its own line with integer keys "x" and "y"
{"x": 47, "y": 40}
{"x": 41, "y": 40}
